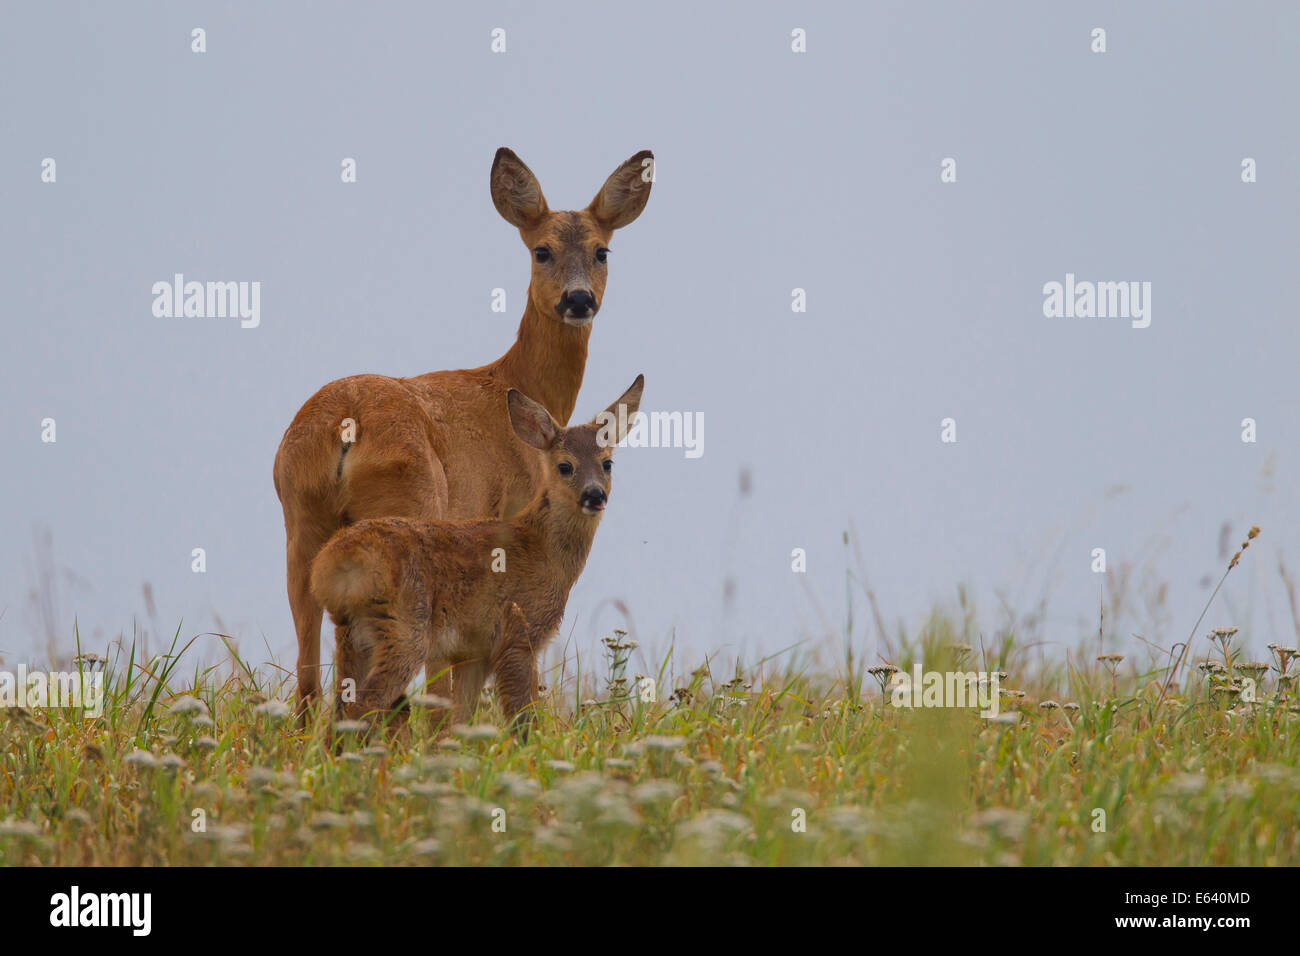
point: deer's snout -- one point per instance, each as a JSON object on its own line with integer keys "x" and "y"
{"x": 577, "y": 304}
{"x": 593, "y": 499}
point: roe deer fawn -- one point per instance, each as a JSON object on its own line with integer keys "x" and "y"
{"x": 440, "y": 445}
{"x": 486, "y": 594}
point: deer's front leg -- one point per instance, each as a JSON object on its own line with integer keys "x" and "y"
{"x": 516, "y": 676}
{"x": 394, "y": 661}
{"x": 349, "y": 668}
{"x": 467, "y": 683}
{"x": 515, "y": 669}
{"x": 438, "y": 682}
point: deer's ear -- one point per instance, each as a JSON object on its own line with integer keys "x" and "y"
{"x": 625, "y": 193}
{"x": 614, "y": 427}
{"x": 530, "y": 420}
{"x": 515, "y": 190}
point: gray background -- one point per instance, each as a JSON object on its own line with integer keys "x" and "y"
{"x": 774, "y": 171}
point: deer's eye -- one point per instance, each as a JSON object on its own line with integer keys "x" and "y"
{"x": 542, "y": 254}
{"x": 566, "y": 469}
{"x": 601, "y": 254}
{"x": 608, "y": 465}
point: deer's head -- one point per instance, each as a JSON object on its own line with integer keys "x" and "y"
{"x": 579, "y": 460}
{"x": 569, "y": 249}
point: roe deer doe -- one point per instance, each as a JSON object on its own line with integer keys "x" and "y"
{"x": 484, "y": 594}
{"x": 440, "y": 445}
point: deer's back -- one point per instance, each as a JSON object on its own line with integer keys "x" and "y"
{"x": 434, "y": 446}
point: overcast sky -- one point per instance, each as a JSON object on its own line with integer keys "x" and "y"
{"x": 775, "y": 171}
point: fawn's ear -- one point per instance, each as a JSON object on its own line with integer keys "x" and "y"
{"x": 530, "y": 420}
{"x": 625, "y": 193}
{"x": 613, "y": 426}
{"x": 515, "y": 190}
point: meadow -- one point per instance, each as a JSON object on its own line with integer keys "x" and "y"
{"x": 1093, "y": 760}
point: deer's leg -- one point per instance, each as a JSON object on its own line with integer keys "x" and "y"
{"x": 468, "y": 686}
{"x": 394, "y": 662}
{"x": 438, "y": 680}
{"x": 516, "y": 678}
{"x": 347, "y": 672}
{"x": 402, "y": 480}
{"x": 348, "y": 664}
{"x": 515, "y": 668}
{"x": 306, "y": 623}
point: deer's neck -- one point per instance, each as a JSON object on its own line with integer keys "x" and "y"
{"x": 556, "y": 539}
{"x": 547, "y": 361}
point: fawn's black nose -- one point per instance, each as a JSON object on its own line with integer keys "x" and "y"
{"x": 579, "y": 304}
{"x": 593, "y": 499}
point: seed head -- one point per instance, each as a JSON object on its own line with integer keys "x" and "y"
{"x": 141, "y": 758}
{"x": 274, "y": 709}
{"x": 1223, "y": 634}
{"x": 476, "y": 732}
{"x": 429, "y": 700}
{"x": 187, "y": 705}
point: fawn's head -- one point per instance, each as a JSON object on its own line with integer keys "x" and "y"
{"x": 578, "y": 460}
{"x": 569, "y": 248}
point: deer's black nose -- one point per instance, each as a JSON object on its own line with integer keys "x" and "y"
{"x": 579, "y": 303}
{"x": 594, "y": 498}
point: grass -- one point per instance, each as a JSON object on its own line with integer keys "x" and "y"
{"x": 774, "y": 766}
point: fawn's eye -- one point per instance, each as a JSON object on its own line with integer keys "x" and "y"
{"x": 601, "y": 254}
{"x": 566, "y": 469}
{"x": 608, "y": 465}
{"x": 542, "y": 254}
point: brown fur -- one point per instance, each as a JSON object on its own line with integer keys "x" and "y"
{"x": 403, "y": 591}
{"x": 440, "y": 445}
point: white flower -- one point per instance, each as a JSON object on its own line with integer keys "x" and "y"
{"x": 1008, "y": 823}
{"x": 18, "y": 828}
{"x": 187, "y": 705}
{"x": 275, "y": 709}
{"x": 429, "y": 700}
{"x": 476, "y": 732}
{"x": 655, "y": 791}
{"x": 141, "y": 758}
{"x": 713, "y": 824}
{"x": 428, "y": 847}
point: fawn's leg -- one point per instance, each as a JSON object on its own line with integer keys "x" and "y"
{"x": 348, "y": 668}
{"x": 394, "y": 661}
{"x": 350, "y": 663}
{"x": 515, "y": 667}
{"x": 468, "y": 686}
{"x": 438, "y": 681}
{"x": 516, "y": 677}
